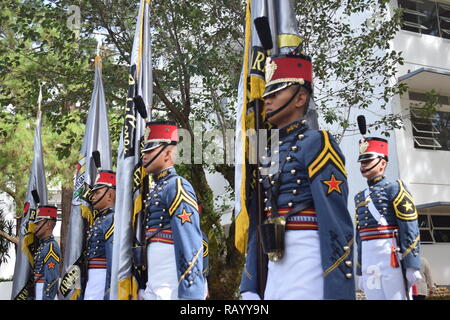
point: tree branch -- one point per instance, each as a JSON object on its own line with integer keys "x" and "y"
{"x": 173, "y": 110}
{"x": 184, "y": 79}
{"x": 8, "y": 237}
{"x": 9, "y": 191}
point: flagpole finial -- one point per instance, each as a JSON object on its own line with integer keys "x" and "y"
{"x": 98, "y": 60}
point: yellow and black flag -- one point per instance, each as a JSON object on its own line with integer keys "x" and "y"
{"x": 270, "y": 29}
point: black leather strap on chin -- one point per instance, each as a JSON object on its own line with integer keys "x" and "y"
{"x": 173, "y": 143}
{"x": 271, "y": 114}
{"x": 40, "y": 227}
{"x": 367, "y": 170}
{"x": 104, "y": 194}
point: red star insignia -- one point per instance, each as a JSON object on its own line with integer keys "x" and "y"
{"x": 333, "y": 184}
{"x": 185, "y": 216}
{"x": 51, "y": 265}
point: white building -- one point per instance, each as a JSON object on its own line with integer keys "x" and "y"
{"x": 419, "y": 153}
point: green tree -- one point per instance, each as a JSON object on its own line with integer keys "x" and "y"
{"x": 17, "y": 139}
{"x": 15, "y": 174}
{"x": 349, "y": 42}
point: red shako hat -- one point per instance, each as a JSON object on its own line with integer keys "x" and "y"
{"x": 105, "y": 178}
{"x": 371, "y": 148}
{"x": 158, "y": 133}
{"x": 284, "y": 70}
{"x": 46, "y": 212}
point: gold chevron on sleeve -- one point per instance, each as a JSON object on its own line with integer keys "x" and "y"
{"x": 110, "y": 232}
{"x": 325, "y": 156}
{"x": 181, "y": 196}
{"x": 51, "y": 254}
{"x": 205, "y": 248}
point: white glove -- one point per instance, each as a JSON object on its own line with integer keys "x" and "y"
{"x": 248, "y": 295}
{"x": 413, "y": 276}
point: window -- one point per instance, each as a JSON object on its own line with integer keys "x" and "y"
{"x": 442, "y": 122}
{"x": 426, "y": 17}
{"x": 434, "y": 228}
{"x": 425, "y": 229}
{"x": 441, "y": 221}
{"x": 429, "y": 131}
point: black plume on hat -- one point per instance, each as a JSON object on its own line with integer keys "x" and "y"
{"x": 362, "y": 124}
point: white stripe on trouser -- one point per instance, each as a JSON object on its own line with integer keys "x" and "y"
{"x": 162, "y": 281}
{"x": 95, "y": 287}
{"x": 298, "y": 276}
{"x": 38, "y": 291}
{"x": 380, "y": 280}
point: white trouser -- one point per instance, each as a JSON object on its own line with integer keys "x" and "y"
{"x": 38, "y": 291}
{"x": 95, "y": 287}
{"x": 162, "y": 281}
{"x": 380, "y": 280}
{"x": 298, "y": 276}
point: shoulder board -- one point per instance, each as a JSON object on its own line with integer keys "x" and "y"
{"x": 181, "y": 196}
{"x": 404, "y": 204}
{"x": 326, "y": 155}
{"x": 51, "y": 254}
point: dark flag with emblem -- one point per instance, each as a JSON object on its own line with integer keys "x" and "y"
{"x": 96, "y": 141}
{"x": 259, "y": 21}
{"x": 263, "y": 33}
{"x": 125, "y": 279}
{"x": 23, "y": 281}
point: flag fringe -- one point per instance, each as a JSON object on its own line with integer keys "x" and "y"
{"x": 87, "y": 214}
{"x": 128, "y": 289}
{"x": 242, "y": 219}
{"x": 75, "y": 295}
{"x": 28, "y": 240}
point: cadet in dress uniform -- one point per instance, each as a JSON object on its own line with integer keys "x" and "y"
{"x": 307, "y": 183}
{"x": 100, "y": 234}
{"x": 175, "y": 245}
{"x": 47, "y": 255}
{"x": 383, "y": 210}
